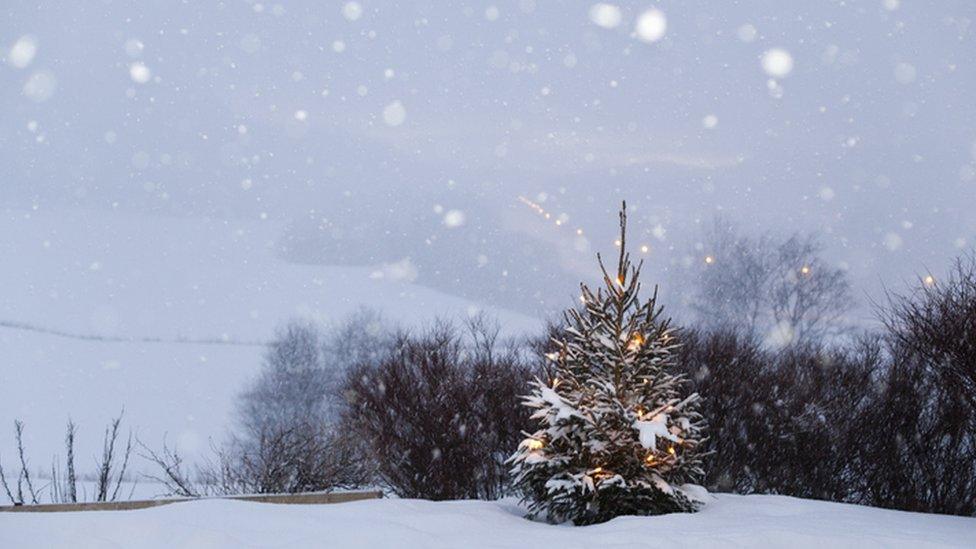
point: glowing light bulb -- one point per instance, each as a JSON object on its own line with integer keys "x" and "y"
{"x": 616, "y": 243}
{"x": 579, "y": 232}
{"x": 929, "y": 280}
{"x": 533, "y": 444}
{"x": 709, "y": 259}
{"x": 805, "y": 270}
{"x": 645, "y": 248}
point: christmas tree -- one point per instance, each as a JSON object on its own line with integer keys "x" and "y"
{"x": 616, "y": 435}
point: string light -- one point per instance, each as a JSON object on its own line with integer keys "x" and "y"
{"x": 559, "y": 220}
{"x": 598, "y": 472}
{"x": 533, "y": 444}
{"x": 563, "y": 219}
{"x": 805, "y": 270}
{"x": 929, "y": 280}
{"x": 709, "y": 259}
{"x": 636, "y": 342}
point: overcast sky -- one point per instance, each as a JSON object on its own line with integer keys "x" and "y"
{"x": 854, "y": 118}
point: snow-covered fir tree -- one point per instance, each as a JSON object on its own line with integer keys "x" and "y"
{"x": 616, "y": 435}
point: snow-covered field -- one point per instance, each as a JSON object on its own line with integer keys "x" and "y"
{"x": 173, "y": 279}
{"x": 728, "y": 521}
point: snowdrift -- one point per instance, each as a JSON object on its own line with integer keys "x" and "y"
{"x": 727, "y": 521}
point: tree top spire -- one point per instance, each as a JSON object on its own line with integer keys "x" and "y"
{"x": 623, "y": 261}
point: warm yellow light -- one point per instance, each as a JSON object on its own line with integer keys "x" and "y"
{"x": 616, "y": 243}
{"x": 645, "y": 248}
{"x": 635, "y": 342}
{"x": 671, "y": 450}
{"x": 805, "y": 270}
{"x": 709, "y": 259}
{"x": 929, "y": 280}
{"x": 649, "y": 459}
{"x": 533, "y": 444}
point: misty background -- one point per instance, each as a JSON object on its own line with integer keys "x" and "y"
{"x": 179, "y": 179}
{"x": 403, "y": 134}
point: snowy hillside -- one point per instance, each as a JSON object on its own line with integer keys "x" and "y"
{"x": 174, "y": 280}
{"x": 728, "y": 521}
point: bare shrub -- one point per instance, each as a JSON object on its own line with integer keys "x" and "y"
{"x": 177, "y": 479}
{"x": 916, "y": 445}
{"x": 811, "y": 397}
{"x": 286, "y": 439}
{"x": 937, "y": 324}
{"x": 726, "y": 369}
{"x": 63, "y": 485}
{"x": 439, "y": 417}
{"x": 780, "y": 421}
{"x": 17, "y": 496}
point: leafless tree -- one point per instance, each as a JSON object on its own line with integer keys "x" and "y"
{"x": 779, "y": 288}
{"x": 286, "y": 439}
{"x": 293, "y": 385}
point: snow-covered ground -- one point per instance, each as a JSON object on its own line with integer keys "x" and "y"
{"x": 728, "y": 521}
{"x": 174, "y": 279}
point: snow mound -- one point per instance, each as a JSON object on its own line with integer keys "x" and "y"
{"x": 727, "y": 521}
